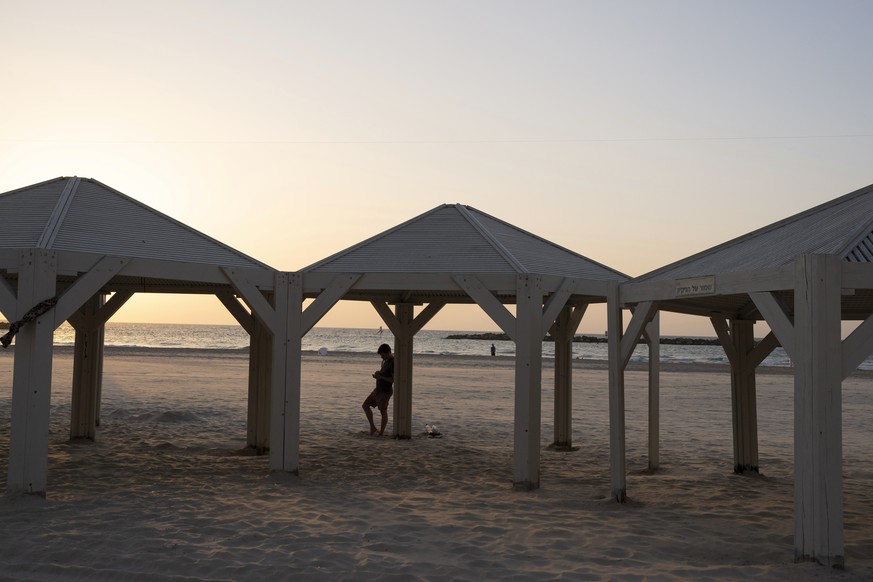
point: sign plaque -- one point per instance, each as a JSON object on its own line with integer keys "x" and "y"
{"x": 694, "y": 287}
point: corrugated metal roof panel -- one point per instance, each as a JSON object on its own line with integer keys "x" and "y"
{"x": 458, "y": 239}
{"x": 543, "y": 257}
{"x": 24, "y": 213}
{"x": 825, "y": 229}
{"x": 102, "y": 220}
{"x": 94, "y": 218}
{"x": 439, "y": 241}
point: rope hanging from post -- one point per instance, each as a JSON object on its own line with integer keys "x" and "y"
{"x": 34, "y": 312}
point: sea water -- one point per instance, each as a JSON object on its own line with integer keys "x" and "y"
{"x": 233, "y": 339}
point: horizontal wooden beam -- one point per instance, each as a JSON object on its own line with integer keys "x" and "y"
{"x": 778, "y": 279}
{"x": 857, "y": 276}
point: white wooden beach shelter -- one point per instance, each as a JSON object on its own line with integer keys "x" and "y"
{"x": 802, "y": 276}
{"x": 73, "y": 249}
{"x": 457, "y": 254}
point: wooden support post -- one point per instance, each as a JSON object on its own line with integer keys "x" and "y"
{"x": 87, "y": 368}
{"x": 653, "y": 339}
{"x": 528, "y": 382}
{"x": 615, "y": 329}
{"x": 260, "y": 375}
{"x": 286, "y": 373}
{"x": 563, "y": 330}
{"x": 100, "y": 342}
{"x": 403, "y": 344}
{"x": 32, "y": 377}
{"x": 818, "y": 480}
{"x": 743, "y": 397}
{"x": 563, "y": 381}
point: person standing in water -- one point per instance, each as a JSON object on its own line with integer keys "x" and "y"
{"x": 381, "y": 394}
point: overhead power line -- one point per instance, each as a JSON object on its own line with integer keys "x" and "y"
{"x": 341, "y": 141}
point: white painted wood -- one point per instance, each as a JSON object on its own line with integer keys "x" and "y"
{"x": 563, "y": 336}
{"x": 615, "y": 328}
{"x": 743, "y": 397}
{"x": 722, "y": 331}
{"x": 95, "y": 325}
{"x": 286, "y": 374}
{"x": 403, "y": 360}
{"x": 437, "y": 282}
{"x": 54, "y": 222}
{"x": 725, "y": 283}
{"x": 8, "y": 302}
{"x": 115, "y": 302}
{"x": 32, "y": 377}
{"x": 200, "y": 273}
{"x": 857, "y": 347}
{"x": 594, "y": 290}
{"x": 818, "y": 483}
{"x": 86, "y": 286}
{"x": 777, "y": 319}
{"x": 857, "y": 276}
{"x": 642, "y": 315}
{"x": 254, "y": 298}
{"x": 426, "y": 314}
{"x": 442, "y": 282}
{"x": 652, "y": 334}
{"x": 563, "y": 330}
{"x": 314, "y": 283}
{"x": 239, "y": 313}
{"x": 528, "y": 383}
{"x": 764, "y": 348}
{"x": 495, "y": 310}
{"x": 326, "y": 300}
{"x": 555, "y": 303}
{"x": 86, "y": 371}
{"x": 388, "y": 317}
{"x": 260, "y": 376}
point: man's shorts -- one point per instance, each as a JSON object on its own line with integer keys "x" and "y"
{"x": 378, "y": 399}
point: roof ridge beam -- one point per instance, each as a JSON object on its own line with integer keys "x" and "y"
{"x": 462, "y": 210}
{"x": 58, "y": 214}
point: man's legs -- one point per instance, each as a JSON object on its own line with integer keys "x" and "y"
{"x": 367, "y": 406}
{"x": 384, "y": 413}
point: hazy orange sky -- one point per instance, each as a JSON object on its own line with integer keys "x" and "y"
{"x": 633, "y": 132}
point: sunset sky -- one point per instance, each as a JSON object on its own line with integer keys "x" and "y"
{"x": 633, "y": 132}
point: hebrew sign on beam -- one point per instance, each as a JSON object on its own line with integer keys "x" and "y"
{"x": 694, "y": 287}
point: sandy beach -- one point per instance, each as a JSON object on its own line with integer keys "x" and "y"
{"x": 168, "y": 491}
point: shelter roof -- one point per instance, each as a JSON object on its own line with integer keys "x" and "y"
{"x": 843, "y": 226}
{"x": 761, "y": 260}
{"x": 454, "y": 238}
{"x": 84, "y": 215}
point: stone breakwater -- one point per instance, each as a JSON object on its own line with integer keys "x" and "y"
{"x": 680, "y": 341}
